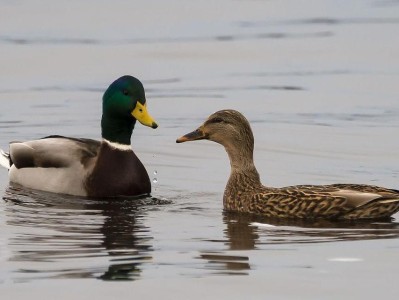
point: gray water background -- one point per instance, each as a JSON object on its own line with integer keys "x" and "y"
{"x": 318, "y": 80}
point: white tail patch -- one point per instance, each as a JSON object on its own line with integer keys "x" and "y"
{"x": 4, "y": 160}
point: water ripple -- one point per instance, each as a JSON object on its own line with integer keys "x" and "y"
{"x": 322, "y": 21}
{"x": 85, "y": 238}
{"x": 191, "y": 39}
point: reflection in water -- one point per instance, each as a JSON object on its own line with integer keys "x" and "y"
{"x": 226, "y": 264}
{"x": 86, "y": 238}
{"x": 240, "y": 236}
{"x": 246, "y": 232}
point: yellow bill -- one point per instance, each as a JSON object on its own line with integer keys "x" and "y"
{"x": 141, "y": 114}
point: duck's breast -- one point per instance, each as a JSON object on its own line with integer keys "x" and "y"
{"x": 117, "y": 173}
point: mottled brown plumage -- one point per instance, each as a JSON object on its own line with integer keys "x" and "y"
{"x": 245, "y": 193}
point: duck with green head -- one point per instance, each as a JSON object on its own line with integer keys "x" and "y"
{"x": 86, "y": 167}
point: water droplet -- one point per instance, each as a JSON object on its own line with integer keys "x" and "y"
{"x": 155, "y": 172}
{"x": 155, "y": 180}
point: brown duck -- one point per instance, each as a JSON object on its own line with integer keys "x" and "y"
{"x": 245, "y": 193}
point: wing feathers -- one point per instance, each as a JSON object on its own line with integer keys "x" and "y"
{"x": 53, "y": 152}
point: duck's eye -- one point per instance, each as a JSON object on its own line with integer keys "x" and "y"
{"x": 216, "y": 120}
{"x": 125, "y": 92}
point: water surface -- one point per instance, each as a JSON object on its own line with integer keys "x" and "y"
{"x": 316, "y": 79}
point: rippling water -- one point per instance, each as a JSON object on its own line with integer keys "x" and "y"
{"x": 53, "y": 236}
{"x": 76, "y": 238}
{"x": 318, "y": 82}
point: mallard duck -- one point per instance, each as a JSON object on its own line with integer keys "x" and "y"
{"x": 245, "y": 193}
{"x": 86, "y": 167}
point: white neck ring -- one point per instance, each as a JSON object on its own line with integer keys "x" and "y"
{"x": 118, "y": 146}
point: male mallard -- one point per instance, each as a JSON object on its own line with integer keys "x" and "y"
{"x": 245, "y": 193}
{"x": 85, "y": 167}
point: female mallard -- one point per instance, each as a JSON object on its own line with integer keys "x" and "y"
{"x": 85, "y": 167}
{"x": 245, "y": 193}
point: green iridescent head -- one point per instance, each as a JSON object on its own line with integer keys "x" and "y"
{"x": 124, "y": 102}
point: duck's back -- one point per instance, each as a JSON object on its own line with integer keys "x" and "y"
{"x": 337, "y": 201}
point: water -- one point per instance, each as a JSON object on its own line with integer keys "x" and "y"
{"x": 316, "y": 79}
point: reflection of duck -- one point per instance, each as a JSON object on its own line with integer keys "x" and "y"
{"x": 121, "y": 240}
{"x": 245, "y": 193}
{"x": 239, "y": 232}
{"x": 104, "y": 239}
{"x": 245, "y": 231}
{"x": 85, "y": 167}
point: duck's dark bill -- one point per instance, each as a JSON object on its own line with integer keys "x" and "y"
{"x": 192, "y": 136}
{"x": 141, "y": 114}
